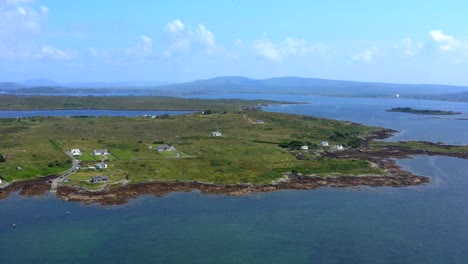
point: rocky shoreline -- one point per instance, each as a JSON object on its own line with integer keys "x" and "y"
{"x": 396, "y": 177}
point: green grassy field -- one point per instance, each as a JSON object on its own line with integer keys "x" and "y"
{"x": 417, "y": 145}
{"x": 246, "y": 153}
{"x": 13, "y": 102}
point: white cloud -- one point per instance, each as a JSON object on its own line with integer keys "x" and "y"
{"x": 175, "y": 26}
{"x": 288, "y": 47}
{"x": 20, "y": 23}
{"x": 296, "y": 46}
{"x": 410, "y": 48}
{"x": 146, "y": 44}
{"x": 16, "y": 21}
{"x": 366, "y": 55}
{"x": 49, "y": 52}
{"x": 267, "y": 50}
{"x": 143, "y": 48}
{"x": 205, "y": 35}
{"x": 447, "y": 43}
{"x": 44, "y": 9}
{"x": 183, "y": 38}
{"x": 21, "y": 11}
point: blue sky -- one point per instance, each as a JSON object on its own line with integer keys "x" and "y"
{"x": 175, "y": 41}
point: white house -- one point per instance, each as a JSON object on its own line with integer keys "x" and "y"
{"x": 99, "y": 152}
{"x": 165, "y": 148}
{"x": 0, "y": 181}
{"x": 216, "y": 134}
{"x": 99, "y": 179}
{"x": 304, "y": 147}
{"x": 75, "y": 152}
{"x": 338, "y": 147}
{"x": 324, "y": 144}
{"x": 101, "y": 165}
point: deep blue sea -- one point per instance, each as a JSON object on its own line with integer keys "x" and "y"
{"x": 424, "y": 224}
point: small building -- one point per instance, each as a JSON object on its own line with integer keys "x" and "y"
{"x": 216, "y": 134}
{"x": 250, "y": 108}
{"x": 165, "y": 148}
{"x": 75, "y": 152}
{"x": 99, "y": 179}
{"x": 259, "y": 121}
{"x": 100, "y": 152}
{"x": 338, "y": 147}
{"x": 304, "y": 147}
{"x": 324, "y": 144}
{"x": 1, "y": 181}
{"x": 101, "y": 165}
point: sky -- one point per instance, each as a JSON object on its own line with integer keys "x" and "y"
{"x": 397, "y": 41}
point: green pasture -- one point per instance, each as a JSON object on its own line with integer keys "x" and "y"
{"x": 246, "y": 152}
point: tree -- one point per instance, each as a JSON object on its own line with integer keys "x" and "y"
{"x": 2, "y": 158}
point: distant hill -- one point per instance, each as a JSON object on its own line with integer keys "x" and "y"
{"x": 140, "y": 85}
{"x": 39, "y": 82}
{"x": 312, "y": 86}
{"x": 42, "y": 82}
{"x": 239, "y": 84}
{"x": 10, "y": 86}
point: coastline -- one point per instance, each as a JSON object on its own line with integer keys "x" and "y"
{"x": 396, "y": 177}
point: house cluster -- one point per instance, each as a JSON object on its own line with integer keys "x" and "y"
{"x": 155, "y": 116}
{"x": 250, "y": 108}
{"x": 325, "y": 144}
{"x": 96, "y": 152}
{"x": 334, "y": 148}
{"x": 338, "y": 147}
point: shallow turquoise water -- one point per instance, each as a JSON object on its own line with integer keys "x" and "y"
{"x": 385, "y": 225}
{"x": 424, "y": 224}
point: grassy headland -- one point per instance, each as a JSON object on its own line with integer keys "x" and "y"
{"x": 14, "y": 102}
{"x": 270, "y": 150}
{"x": 247, "y": 152}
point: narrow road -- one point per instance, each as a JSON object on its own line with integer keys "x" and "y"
{"x": 56, "y": 181}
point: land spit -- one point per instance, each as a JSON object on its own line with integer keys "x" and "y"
{"x": 384, "y": 159}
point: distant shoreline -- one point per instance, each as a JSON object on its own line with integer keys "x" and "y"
{"x": 397, "y": 177}
{"x": 422, "y": 112}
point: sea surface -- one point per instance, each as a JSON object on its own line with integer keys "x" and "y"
{"x": 423, "y": 224}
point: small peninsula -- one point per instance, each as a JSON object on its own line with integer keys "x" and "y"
{"x": 422, "y": 112}
{"x": 236, "y": 151}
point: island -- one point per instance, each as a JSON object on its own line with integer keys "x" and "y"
{"x": 422, "y": 112}
{"x": 239, "y": 150}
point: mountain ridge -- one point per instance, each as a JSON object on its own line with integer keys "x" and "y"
{"x": 240, "y": 84}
